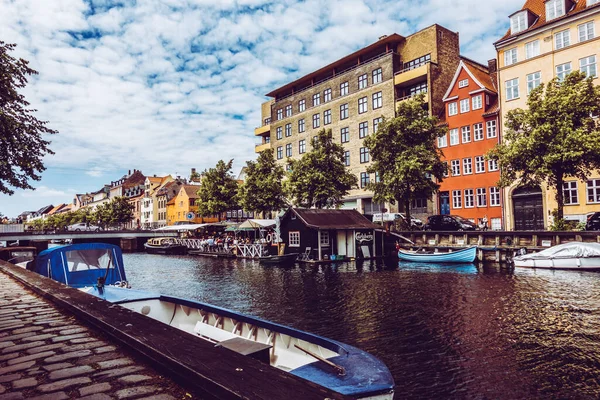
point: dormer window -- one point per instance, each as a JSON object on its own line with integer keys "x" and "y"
{"x": 518, "y": 22}
{"x": 554, "y": 9}
{"x": 463, "y": 83}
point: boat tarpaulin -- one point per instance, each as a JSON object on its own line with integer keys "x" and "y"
{"x": 566, "y": 250}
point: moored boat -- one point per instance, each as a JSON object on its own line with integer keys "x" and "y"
{"x": 467, "y": 255}
{"x": 573, "y": 255}
{"x": 19, "y": 255}
{"x": 164, "y": 245}
{"x": 282, "y": 259}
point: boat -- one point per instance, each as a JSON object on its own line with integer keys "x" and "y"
{"x": 98, "y": 270}
{"x": 282, "y": 259}
{"x": 572, "y": 255}
{"x": 18, "y": 255}
{"x": 466, "y": 255}
{"x": 164, "y": 245}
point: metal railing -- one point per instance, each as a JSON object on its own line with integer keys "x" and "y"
{"x": 412, "y": 67}
{"x": 411, "y": 96}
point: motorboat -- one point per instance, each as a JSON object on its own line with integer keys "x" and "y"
{"x": 279, "y": 259}
{"x": 164, "y": 245}
{"x": 572, "y": 255}
{"x": 466, "y": 255}
{"x": 18, "y": 255}
{"x": 97, "y": 269}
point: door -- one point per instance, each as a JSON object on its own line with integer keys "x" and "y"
{"x": 342, "y": 245}
{"x": 445, "y": 203}
{"x": 528, "y": 209}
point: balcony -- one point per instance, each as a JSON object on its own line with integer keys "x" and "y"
{"x": 261, "y": 147}
{"x": 264, "y": 130}
{"x": 411, "y": 75}
{"x": 426, "y": 99}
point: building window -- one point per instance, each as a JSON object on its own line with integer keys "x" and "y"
{"x": 463, "y": 83}
{"x": 452, "y": 109}
{"x": 466, "y": 134}
{"x": 417, "y": 89}
{"x": 377, "y": 76}
{"x": 532, "y": 49}
{"x": 288, "y": 110}
{"x": 316, "y": 99}
{"x": 280, "y": 114}
{"x": 316, "y": 120}
{"x": 464, "y": 106}
{"x": 454, "y": 137}
{"x": 279, "y": 131}
{"x": 586, "y": 31}
{"x": 417, "y": 62}
{"x": 288, "y": 130}
{"x": 510, "y": 56}
{"x": 343, "y": 111}
{"x": 492, "y": 165}
{"x": 442, "y": 141}
{"x": 345, "y": 135}
{"x": 288, "y": 150}
{"x": 555, "y": 9}
{"x": 456, "y": 199}
{"x": 494, "y": 196}
{"x": 533, "y": 80}
{"x": 364, "y": 155}
{"x": 302, "y": 146}
{"x": 562, "y": 39}
{"x": 479, "y": 164}
{"x": 363, "y": 129}
{"x": 364, "y": 179}
{"x": 377, "y": 179}
{"x": 347, "y": 158}
{"x": 324, "y": 239}
{"x": 294, "y": 239}
{"x": 469, "y": 200}
{"x": 362, "y": 105}
{"x": 343, "y": 88}
{"x": 587, "y": 65}
{"x": 481, "y": 197}
{"x": 327, "y": 95}
{"x": 477, "y": 102}
{"x": 455, "y": 167}
{"x": 512, "y": 89}
{"x": 376, "y": 123}
{"x": 301, "y": 105}
{"x": 496, "y": 224}
{"x": 288, "y": 168}
{"x": 562, "y": 70}
{"x": 593, "y": 190}
{"x": 362, "y": 81}
{"x": 301, "y": 127}
{"x": 518, "y": 22}
{"x": 491, "y": 129}
{"x": 327, "y": 117}
{"x": 570, "y": 192}
{"x": 467, "y": 166}
{"x": 478, "y": 132}
{"x": 377, "y": 100}
{"x": 279, "y": 152}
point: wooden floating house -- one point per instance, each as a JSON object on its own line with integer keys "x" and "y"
{"x": 319, "y": 234}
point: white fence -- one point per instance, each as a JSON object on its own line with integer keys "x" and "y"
{"x": 241, "y": 250}
{"x": 12, "y": 228}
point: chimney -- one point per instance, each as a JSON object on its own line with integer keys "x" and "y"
{"x": 492, "y": 65}
{"x": 382, "y": 37}
{"x": 129, "y": 173}
{"x": 193, "y": 171}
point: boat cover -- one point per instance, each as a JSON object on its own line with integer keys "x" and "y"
{"x": 82, "y": 264}
{"x": 565, "y": 250}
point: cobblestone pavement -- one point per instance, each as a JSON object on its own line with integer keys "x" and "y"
{"x": 47, "y": 354}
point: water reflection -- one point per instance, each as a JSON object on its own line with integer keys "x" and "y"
{"x": 444, "y": 331}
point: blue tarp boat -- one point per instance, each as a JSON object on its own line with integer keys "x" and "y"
{"x": 98, "y": 270}
{"x": 459, "y": 256}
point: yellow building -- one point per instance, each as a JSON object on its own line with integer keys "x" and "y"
{"x": 183, "y": 207}
{"x": 547, "y": 39}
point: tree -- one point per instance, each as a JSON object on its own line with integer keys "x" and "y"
{"x": 554, "y": 138}
{"x": 405, "y": 156}
{"x": 218, "y": 190}
{"x": 320, "y": 178}
{"x": 22, "y": 146}
{"x": 115, "y": 212}
{"x": 263, "y": 189}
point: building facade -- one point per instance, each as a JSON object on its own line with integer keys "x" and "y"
{"x": 547, "y": 39}
{"x": 470, "y": 189}
{"x": 353, "y": 94}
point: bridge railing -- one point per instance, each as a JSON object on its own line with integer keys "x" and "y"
{"x": 12, "y": 228}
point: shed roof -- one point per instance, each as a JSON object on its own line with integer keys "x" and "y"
{"x": 333, "y": 219}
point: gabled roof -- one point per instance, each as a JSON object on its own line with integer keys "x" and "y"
{"x": 478, "y": 73}
{"x": 333, "y": 219}
{"x": 135, "y": 179}
{"x": 191, "y": 191}
{"x": 56, "y": 209}
{"x": 155, "y": 179}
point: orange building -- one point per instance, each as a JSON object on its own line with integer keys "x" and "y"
{"x": 470, "y": 190}
{"x": 183, "y": 207}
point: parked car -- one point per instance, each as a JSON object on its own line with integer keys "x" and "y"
{"x": 391, "y": 217}
{"x": 82, "y": 226}
{"x": 449, "y": 223}
{"x": 593, "y": 222}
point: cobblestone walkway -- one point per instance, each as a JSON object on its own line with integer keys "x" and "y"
{"x": 47, "y": 354}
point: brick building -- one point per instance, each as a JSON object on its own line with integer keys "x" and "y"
{"x": 352, "y": 94}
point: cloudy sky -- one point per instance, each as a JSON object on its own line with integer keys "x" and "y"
{"x": 167, "y": 85}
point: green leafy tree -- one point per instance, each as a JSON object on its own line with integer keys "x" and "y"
{"x": 114, "y": 213}
{"x": 22, "y": 146}
{"x": 320, "y": 178}
{"x": 554, "y": 138}
{"x": 263, "y": 189}
{"x": 405, "y": 156}
{"x": 218, "y": 190}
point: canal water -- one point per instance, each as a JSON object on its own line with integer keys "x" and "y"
{"x": 452, "y": 332}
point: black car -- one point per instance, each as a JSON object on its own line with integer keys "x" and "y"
{"x": 593, "y": 222}
{"x": 449, "y": 223}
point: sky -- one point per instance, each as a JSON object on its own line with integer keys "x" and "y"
{"x": 164, "y": 86}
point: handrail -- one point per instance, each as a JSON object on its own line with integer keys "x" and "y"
{"x": 411, "y": 95}
{"x": 412, "y": 67}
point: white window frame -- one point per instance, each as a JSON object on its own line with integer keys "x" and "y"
{"x": 533, "y": 80}
{"x": 455, "y": 167}
{"x": 479, "y": 164}
{"x": 532, "y": 49}
{"x": 478, "y": 132}
{"x": 457, "y": 199}
{"x": 464, "y": 106}
{"x": 454, "y": 137}
{"x": 512, "y": 89}
{"x": 491, "y": 129}
{"x": 463, "y": 83}
{"x": 477, "y": 102}
{"x": 562, "y": 70}
{"x": 518, "y": 22}
{"x": 467, "y": 166}
{"x": 494, "y": 197}
{"x": 510, "y": 56}
{"x": 554, "y": 9}
{"x": 442, "y": 141}
{"x": 588, "y": 66}
{"x": 294, "y": 238}
{"x": 465, "y": 134}
{"x": 562, "y": 39}
{"x": 469, "y": 197}
{"x": 481, "y": 197}
{"x": 492, "y": 165}
{"x": 570, "y": 192}
{"x": 593, "y": 189}
{"x": 452, "y": 108}
{"x": 586, "y": 31}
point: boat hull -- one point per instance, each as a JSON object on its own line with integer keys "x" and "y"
{"x": 172, "y": 249}
{"x": 467, "y": 255}
{"x": 284, "y": 259}
{"x": 588, "y": 263}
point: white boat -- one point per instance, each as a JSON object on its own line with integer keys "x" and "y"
{"x": 573, "y": 255}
